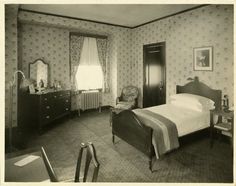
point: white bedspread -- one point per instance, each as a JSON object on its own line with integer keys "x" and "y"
{"x": 186, "y": 120}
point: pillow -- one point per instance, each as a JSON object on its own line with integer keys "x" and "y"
{"x": 191, "y": 101}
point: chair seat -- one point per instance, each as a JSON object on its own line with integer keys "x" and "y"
{"x": 125, "y": 105}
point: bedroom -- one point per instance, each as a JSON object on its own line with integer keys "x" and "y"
{"x": 31, "y": 35}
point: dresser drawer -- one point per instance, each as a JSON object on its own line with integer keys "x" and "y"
{"x": 47, "y": 109}
{"x": 62, "y": 94}
{"x": 46, "y": 118}
{"x": 47, "y": 98}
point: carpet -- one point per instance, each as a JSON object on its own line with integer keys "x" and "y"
{"x": 194, "y": 161}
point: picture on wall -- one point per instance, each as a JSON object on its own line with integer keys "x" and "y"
{"x": 203, "y": 59}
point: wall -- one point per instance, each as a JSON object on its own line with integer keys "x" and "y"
{"x": 207, "y": 26}
{"x": 49, "y": 44}
{"x": 47, "y": 37}
{"x": 10, "y": 60}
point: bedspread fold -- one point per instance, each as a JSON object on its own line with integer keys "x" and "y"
{"x": 165, "y": 134}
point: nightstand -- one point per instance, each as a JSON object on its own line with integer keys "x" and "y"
{"x": 224, "y": 123}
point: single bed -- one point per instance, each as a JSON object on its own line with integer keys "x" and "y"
{"x": 132, "y": 127}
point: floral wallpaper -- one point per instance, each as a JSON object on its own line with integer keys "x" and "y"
{"x": 53, "y": 33}
{"x": 10, "y": 60}
{"x": 206, "y": 26}
{"x": 49, "y": 44}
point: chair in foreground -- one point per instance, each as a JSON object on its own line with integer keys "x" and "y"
{"x": 50, "y": 170}
{"x": 81, "y": 174}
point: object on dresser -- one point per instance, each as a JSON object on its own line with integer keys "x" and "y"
{"x": 56, "y": 85}
{"x": 38, "y": 71}
{"x": 31, "y": 89}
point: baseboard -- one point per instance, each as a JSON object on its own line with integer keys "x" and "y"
{"x": 103, "y": 108}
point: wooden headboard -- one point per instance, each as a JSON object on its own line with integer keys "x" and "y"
{"x": 199, "y": 88}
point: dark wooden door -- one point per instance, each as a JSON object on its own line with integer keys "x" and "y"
{"x": 154, "y": 86}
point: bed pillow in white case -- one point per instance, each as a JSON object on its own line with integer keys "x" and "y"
{"x": 191, "y": 101}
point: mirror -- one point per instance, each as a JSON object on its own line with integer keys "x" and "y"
{"x": 38, "y": 71}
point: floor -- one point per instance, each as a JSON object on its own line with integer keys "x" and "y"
{"x": 194, "y": 161}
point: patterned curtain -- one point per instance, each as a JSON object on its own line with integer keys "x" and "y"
{"x": 76, "y": 44}
{"x": 102, "y": 54}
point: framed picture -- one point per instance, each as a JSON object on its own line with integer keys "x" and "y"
{"x": 31, "y": 89}
{"x": 203, "y": 58}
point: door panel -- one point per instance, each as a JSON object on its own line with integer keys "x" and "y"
{"x": 154, "y": 75}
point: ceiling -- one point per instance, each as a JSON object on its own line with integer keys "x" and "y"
{"x": 128, "y": 15}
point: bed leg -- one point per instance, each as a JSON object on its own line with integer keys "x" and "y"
{"x": 150, "y": 164}
{"x": 113, "y": 138}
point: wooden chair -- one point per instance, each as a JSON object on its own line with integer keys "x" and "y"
{"x": 50, "y": 170}
{"x": 90, "y": 155}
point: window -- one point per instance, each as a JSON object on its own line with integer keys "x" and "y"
{"x": 89, "y": 74}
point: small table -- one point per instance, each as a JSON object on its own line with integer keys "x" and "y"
{"x": 34, "y": 171}
{"x": 224, "y": 124}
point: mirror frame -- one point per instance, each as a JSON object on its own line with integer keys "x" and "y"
{"x": 48, "y": 74}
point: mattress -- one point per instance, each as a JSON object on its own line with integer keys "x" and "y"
{"x": 187, "y": 121}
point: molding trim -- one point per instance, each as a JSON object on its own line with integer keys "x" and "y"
{"x": 88, "y": 35}
{"x": 110, "y": 24}
{"x": 69, "y": 17}
{"x": 183, "y": 11}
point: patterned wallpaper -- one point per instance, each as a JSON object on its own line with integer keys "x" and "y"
{"x": 49, "y": 44}
{"x": 10, "y": 59}
{"x": 52, "y": 34}
{"x": 207, "y": 26}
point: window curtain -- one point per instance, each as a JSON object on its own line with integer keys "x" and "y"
{"x": 76, "y": 44}
{"x": 102, "y": 54}
{"x": 89, "y": 67}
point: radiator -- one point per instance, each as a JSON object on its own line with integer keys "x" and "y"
{"x": 90, "y": 100}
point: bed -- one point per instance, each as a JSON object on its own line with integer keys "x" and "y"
{"x": 140, "y": 132}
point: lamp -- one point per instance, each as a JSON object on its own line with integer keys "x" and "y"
{"x": 24, "y": 83}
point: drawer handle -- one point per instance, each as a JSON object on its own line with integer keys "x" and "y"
{"x": 67, "y": 101}
{"x": 45, "y": 99}
{"x": 67, "y": 109}
{"x": 48, "y": 107}
{"x": 47, "y": 117}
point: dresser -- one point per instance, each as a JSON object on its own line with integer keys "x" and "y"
{"x": 38, "y": 110}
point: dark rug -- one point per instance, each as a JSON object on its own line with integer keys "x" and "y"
{"x": 194, "y": 161}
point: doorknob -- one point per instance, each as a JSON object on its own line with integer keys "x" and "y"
{"x": 161, "y": 85}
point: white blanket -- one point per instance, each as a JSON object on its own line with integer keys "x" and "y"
{"x": 186, "y": 120}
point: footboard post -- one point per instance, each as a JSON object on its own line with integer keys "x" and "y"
{"x": 113, "y": 138}
{"x": 150, "y": 164}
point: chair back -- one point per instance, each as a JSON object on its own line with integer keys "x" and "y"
{"x": 82, "y": 175}
{"x": 49, "y": 168}
{"x": 129, "y": 93}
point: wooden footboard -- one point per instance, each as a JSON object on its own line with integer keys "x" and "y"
{"x": 129, "y": 128}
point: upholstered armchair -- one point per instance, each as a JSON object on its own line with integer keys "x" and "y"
{"x": 128, "y": 98}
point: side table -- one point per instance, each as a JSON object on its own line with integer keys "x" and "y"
{"x": 225, "y": 123}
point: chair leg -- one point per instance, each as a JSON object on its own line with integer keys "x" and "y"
{"x": 113, "y": 138}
